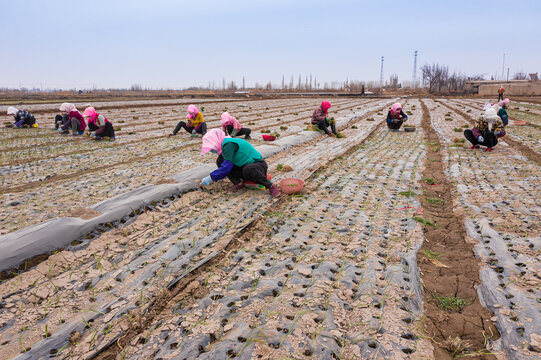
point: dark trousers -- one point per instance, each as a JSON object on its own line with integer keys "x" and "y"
{"x": 324, "y": 125}
{"x": 60, "y": 120}
{"x": 182, "y": 125}
{"x": 243, "y": 131}
{"x": 500, "y": 97}
{"x": 490, "y": 140}
{"x": 254, "y": 172}
{"x": 394, "y": 124}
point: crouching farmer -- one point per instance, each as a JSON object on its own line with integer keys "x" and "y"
{"x": 489, "y": 128}
{"x": 232, "y": 126}
{"x": 23, "y": 119}
{"x": 320, "y": 117}
{"x": 75, "y": 120}
{"x": 237, "y": 160}
{"x": 98, "y": 124}
{"x": 195, "y": 123}
{"x": 396, "y": 117}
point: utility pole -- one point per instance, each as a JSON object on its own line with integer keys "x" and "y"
{"x": 243, "y": 83}
{"x": 415, "y": 69}
{"x": 381, "y": 73}
{"x": 503, "y": 66}
{"x": 507, "y": 74}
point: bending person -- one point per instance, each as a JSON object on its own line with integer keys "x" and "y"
{"x": 23, "y": 119}
{"x": 98, "y": 124}
{"x": 195, "y": 123}
{"x": 396, "y": 117}
{"x": 237, "y": 160}
{"x": 75, "y": 121}
{"x": 489, "y": 128}
{"x": 232, "y": 126}
{"x": 320, "y": 117}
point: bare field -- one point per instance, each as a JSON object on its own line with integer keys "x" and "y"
{"x": 402, "y": 245}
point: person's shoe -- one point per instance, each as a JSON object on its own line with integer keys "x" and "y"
{"x": 474, "y": 147}
{"x": 488, "y": 149}
{"x": 274, "y": 191}
{"x": 171, "y": 134}
{"x": 247, "y": 137}
{"x": 81, "y": 132}
{"x": 97, "y": 137}
{"x": 236, "y": 187}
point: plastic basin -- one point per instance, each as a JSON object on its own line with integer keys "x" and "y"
{"x": 269, "y": 137}
{"x": 291, "y": 186}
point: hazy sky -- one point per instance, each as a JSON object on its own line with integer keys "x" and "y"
{"x": 175, "y": 44}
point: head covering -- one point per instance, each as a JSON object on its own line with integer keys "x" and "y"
{"x": 91, "y": 113}
{"x": 325, "y": 105}
{"x": 226, "y": 118}
{"x": 213, "y": 140}
{"x": 192, "y": 111}
{"x": 503, "y": 103}
{"x": 396, "y": 108}
{"x": 12, "y": 110}
{"x": 68, "y": 107}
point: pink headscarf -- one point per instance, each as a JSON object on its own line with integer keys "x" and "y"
{"x": 91, "y": 113}
{"x": 226, "y": 118}
{"x": 213, "y": 140}
{"x": 396, "y": 108}
{"x": 503, "y": 103}
{"x": 192, "y": 111}
{"x": 68, "y": 107}
{"x": 325, "y": 105}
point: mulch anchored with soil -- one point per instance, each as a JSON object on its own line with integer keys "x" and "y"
{"x": 464, "y": 328}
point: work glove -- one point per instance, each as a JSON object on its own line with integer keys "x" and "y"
{"x": 206, "y": 181}
{"x": 497, "y": 133}
{"x": 193, "y": 132}
{"x": 59, "y": 130}
{"x": 480, "y": 139}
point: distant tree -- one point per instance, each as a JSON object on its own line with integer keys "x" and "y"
{"x": 136, "y": 87}
{"x": 520, "y": 75}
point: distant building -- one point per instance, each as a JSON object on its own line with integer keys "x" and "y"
{"x": 533, "y": 76}
{"x": 512, "y": 87}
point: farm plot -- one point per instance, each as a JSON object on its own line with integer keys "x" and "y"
{"x": 78, "y": 290}
{"x": 77, "y": 172}
{"x": 329, "y": 273}
{"x": 498, "y": 194}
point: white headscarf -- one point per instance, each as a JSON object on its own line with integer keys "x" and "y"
{"x": 12, "y": 110}
{"x": 68, "y": 107}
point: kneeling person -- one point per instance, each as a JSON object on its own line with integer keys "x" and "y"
{"x": 237, "y": 160}
{"x": 232, "y": 126}
{"x": 98, "y": 124}
{"x": 396, "y": 117}
{"x": 23, "y": 118}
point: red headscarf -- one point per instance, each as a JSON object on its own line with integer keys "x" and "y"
{"x": 325, "y": 105}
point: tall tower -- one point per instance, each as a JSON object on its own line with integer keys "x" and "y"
{"x": 415, "y": 69}
{"x": 381, "y": 73}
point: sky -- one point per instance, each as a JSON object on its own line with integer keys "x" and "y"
{"x": 178, "y": 44}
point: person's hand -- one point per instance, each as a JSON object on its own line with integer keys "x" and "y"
{"x": 206, "y": 181}
{"x": 59, "y": 130}
{"x": 497, "y": 133}
{"x": 193, "y": 131}
{"x": 480, "y": 139}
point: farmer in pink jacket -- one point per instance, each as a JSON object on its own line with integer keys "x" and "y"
{"x": 195, "y": 123}
{"x": 98, "y": 124}
{"x": 232, "y": 126}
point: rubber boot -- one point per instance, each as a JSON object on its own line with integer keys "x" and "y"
{"x": 333, "y": 128}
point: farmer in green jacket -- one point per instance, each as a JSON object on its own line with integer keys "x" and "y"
{"x": 237, "y": 160}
